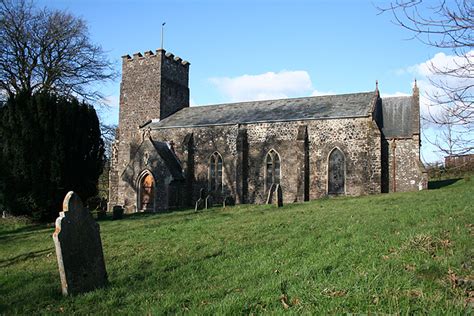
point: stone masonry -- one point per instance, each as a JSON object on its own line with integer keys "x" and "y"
{"x": 237, "y": 150}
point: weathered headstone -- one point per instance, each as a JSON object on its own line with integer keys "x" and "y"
{"x": 200, "y": 202}
{"x": 228, "y": 201}
{"x": 78, "y": 248}
{"x": 270, "y": 194}
{"x": 208, "y": 202}
{"x": 117, "y": 212}
{"x": 279, "y": 196}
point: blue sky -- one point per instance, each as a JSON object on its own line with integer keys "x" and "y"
{"x": 298, "y": 47}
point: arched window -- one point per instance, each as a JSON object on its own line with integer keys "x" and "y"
{"x": 146, "y": 198}
{"x": 215, "y": 172}
{"x": 272, "y": 169}
{"x": 336, "y": 172}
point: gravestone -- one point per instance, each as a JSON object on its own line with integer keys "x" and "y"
{"x": 270, "y": 194}
{"x": 279, "y": 196}
{"x": 117, "y": 212}
{"x": 228, "y": 201}
{"x": 78, "y": 248}
{"x": 200, "y": 202}
{"x": 208, "y": 202}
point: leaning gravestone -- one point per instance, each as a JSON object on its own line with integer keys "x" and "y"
{"x": 200, "y": 202}
{"x": 78, "y": 248}
{"x": 270, "y": 194}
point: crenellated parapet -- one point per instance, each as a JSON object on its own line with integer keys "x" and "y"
{"x": 158, "y": 53}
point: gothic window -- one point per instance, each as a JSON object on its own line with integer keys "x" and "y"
{"x": 146, "y": 192}
{"x": 336, "y": 172}
{"x": 272, "y": 169}
{"x": 215, "y": 172}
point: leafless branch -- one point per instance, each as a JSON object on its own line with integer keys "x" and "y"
{"x": 44, "y": 50}
{"x": 447, "y": 25}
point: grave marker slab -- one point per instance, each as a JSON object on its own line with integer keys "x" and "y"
{"x": 200, "y": 202}
{"x": 279, "y": 196}
{"x": 78, "y": 248}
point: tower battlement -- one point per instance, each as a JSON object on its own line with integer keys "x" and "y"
{"x": 159, "y": 52}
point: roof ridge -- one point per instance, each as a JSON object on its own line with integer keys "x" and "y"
{"x": 397, "y": 97}
{"x": 280, "y": 99}
{"x": 303, "y": 108}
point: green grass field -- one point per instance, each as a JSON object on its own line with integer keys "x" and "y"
{"x": 394, "y": 253}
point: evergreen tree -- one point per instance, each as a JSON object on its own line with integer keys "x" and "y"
{"x": 49, "y": 145}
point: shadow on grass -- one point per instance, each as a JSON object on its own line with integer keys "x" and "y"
{"x": 142, "y": 215}
{"x": 25, "y": 229}
{"x": 24, "y": 257}
{"x": 433, "y": 185}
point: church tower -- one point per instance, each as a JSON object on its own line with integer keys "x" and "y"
{"x": 154, "y": 86}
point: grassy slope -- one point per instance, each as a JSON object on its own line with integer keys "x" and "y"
{"x": 386, "y": 253}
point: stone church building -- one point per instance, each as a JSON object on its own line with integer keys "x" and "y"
{"x": 167, "y": 154}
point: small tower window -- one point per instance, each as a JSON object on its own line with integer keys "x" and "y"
{"x": 215, "y": 172}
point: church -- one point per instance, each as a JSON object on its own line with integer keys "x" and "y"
{"x": 168, "y": 155}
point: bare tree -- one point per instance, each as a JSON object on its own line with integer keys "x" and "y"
{"x": 46, "y": 50}
{"x": 447, "y": 25}
{"x": 108, "y": 135}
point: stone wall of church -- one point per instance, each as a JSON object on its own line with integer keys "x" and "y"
{"x": 405, "y": 170}
{"x": 358, "y": 139}
{"x": 206, "y": 141}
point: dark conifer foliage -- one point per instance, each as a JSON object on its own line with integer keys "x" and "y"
{"x": 48, "y": 146}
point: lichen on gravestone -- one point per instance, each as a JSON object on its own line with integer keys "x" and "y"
{"x": 78, "y": 248}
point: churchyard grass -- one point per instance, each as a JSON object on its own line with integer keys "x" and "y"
{"x": 393, "y": 253}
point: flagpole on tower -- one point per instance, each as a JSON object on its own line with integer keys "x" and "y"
{"x": 162, "y": 27}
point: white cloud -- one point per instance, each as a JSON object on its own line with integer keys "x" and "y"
{"x": 269, "y": 85}
{"x": 428, "y": 73}
{"x": 317, "y": 93}
{"x": 430, "y": 77}
{"x": 429, "y": 81}
{"x": 442, "y": 62}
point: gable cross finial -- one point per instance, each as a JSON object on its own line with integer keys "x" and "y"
{"x": 415, "y": 88}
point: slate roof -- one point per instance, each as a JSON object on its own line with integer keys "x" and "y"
{"x": 170, "y": 159}
{"x": 397, "y": 117}
{"x": 308, "y": 108}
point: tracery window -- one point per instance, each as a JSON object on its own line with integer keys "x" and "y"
{"x": 215, "y": 172}
{"x": 336, "y": 172}
{"x": 272, "y": 169}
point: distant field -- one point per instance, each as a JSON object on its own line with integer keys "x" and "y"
{"x": 394, "y": 253}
